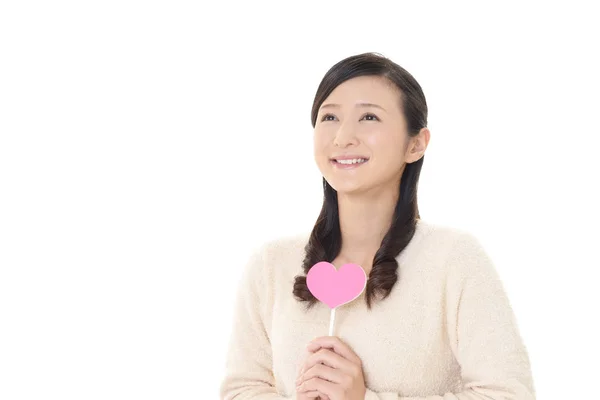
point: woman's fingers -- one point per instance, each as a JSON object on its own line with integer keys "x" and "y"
{"x": 324, "y": 372}
{"x": 315, "y": 394}
{"x": 330, "y": 359}
{"x": 336, "y": 344}
{"x": 320, "y": 385}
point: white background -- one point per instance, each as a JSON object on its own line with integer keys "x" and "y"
{"x": 147, "y": 147}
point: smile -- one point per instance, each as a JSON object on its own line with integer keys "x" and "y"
{"x": 349, "y": 164}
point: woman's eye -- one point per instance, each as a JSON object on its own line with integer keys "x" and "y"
{"x": 368, "y": 117}
{"x": 371, "y": 117}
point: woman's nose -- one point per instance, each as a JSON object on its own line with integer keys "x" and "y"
{"x": 345, "y": 134}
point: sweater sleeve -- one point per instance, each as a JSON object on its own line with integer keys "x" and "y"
{"x": 248, "y": 367}
{"x": 482, "y": 330}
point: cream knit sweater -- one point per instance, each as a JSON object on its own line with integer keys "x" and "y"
{"x": 446, "y": 332}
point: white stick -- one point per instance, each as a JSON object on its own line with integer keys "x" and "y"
{"x": 331, "y": 322}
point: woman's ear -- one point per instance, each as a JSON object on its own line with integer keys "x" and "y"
{"x": 417, "y": 145}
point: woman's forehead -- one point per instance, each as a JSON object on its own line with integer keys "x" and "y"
{"x": 364, "y": 89}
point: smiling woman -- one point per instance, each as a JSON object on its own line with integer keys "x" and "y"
{"x": 434, "y": 321}
{"x": 361, "y": 115}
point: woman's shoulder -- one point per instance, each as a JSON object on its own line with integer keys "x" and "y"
{"x": 284, "y": 245}
{"x": 427, "y": 234}
{"x": 443, "y": 242}
{"x": 283, "y": 253}
{"x": 463, "y": 252}
{"x": 441, "y": 235}
{"x": 441, "y": 230}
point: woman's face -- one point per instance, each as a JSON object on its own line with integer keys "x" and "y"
{"x": 361, "y": 118}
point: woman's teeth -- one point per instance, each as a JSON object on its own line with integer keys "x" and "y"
{"x": 355, "y": 161}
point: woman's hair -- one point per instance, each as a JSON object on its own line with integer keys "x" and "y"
{"x": 325, "y": 241}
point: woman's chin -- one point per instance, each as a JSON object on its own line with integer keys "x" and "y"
{"x": 347, "y": 187}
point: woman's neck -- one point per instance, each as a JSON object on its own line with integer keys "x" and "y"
{"x": 364, "y": 221}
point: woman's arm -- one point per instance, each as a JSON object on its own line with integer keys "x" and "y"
{"x": 482, "y": 330}
{"x": 248, "y": 370}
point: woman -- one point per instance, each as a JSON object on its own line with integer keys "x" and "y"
{"x": 434, "y": 321}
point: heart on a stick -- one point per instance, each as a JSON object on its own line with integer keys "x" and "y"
{"x": 336, "y": 287}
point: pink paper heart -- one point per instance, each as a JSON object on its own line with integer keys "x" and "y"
{"x": 336, "y": 287}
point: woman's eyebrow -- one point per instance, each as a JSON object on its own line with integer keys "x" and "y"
{"x": 333, "y": 105}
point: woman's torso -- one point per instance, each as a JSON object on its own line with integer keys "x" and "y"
{"x": 402, "y": 341}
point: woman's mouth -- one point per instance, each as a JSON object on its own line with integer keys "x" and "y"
{"x": 349, "y": 164}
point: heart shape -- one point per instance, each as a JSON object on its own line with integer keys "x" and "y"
{"x": 336, "y": 287}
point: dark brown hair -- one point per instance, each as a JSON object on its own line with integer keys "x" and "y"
{"x": 325, "y": 242}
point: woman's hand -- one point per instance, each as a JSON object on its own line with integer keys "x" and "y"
{"x": 307, "y": 394}
{"x": 332, "y": 371}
